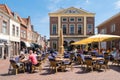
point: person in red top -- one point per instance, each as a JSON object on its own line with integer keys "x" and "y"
{"x": 32, "y": 58}
{"x": 32, "y": 61}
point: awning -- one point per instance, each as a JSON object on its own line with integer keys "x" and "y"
{"x": 25, "y": 44}
{"x": 36, "y": 45}
{"x": 32, "y": 45}
{"x": 3, "y": 41}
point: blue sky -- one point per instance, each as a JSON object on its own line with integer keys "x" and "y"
{"x": 39, "y": 9}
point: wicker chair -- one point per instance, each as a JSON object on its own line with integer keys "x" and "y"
{"x": 54, "y": 65}
{"x": 80, "y": 60}
{"x": 17, "y": 67}
{"x": 89, "y": 63}
{"x": 37, "y": 67}
{"x": 103, "y": 63}
{"x": 67, "y": 64}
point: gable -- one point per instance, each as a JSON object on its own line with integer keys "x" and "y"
{"x": 72, "y": 10}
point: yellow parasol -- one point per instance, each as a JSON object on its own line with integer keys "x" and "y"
{"x": 61, "y": 40}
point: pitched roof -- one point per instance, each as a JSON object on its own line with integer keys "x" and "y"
{"x": 113, "y": 17}
{"x": 6, "y": 9}
{"x": 25, "y": 20}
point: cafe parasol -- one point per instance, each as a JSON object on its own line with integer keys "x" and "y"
{"x": 61, "y": 41}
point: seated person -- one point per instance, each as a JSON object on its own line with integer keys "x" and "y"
{"x": 32, "y": 61}
{"x": 117, "y": 56}
{"x": 20, "y": 59}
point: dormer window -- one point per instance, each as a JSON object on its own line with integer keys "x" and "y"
{"x": 15, "y": 16}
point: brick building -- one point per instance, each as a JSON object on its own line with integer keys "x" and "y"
{"x": 76, "y": 24}
{"x": 110, "y": 26}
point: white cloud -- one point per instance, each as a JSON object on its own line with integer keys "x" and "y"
{"x": 117, "y": 4}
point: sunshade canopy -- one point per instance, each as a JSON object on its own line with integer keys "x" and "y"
{"x": 97, "y": 38}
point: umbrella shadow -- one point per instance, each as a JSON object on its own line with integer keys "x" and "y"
{"x": 49, "y": 71}
{"x": 84, "y": 71}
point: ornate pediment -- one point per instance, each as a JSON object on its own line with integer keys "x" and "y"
{"x": 72, "y": 10}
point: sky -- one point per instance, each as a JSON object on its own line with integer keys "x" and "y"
{"x": 38, "y": 10}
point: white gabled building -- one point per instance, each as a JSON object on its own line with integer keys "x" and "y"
{"x": 4, "y": 31}
{"x": 9, "y": 32}
{"x": 15, "y": 34}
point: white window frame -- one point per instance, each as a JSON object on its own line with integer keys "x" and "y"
{"x": 81, "y": 19}
{"x": 13, "y": 34}
{"x": 55, "y": 43}
{"x": 17, "y": 31}
{"x": 91, "y": 29}
{"x": 113, "y": 26}
{"x": 103, "y": 31}
{"x": 66, "y": 27}
{"x": 81, "y": 29}
{"x": 52, "y": 29}
{"x": 70, "y": 19}
{"x": 5, "y": 27}
{"x": 70, "y": 29}
{"x": 65, "y": 18}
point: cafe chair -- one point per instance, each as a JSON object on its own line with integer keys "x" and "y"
{"x": 17, "y": 67}
{"x": 89, "y": 63}
{"x": 37, "y": 67}
{"x": 54, "y": 65}
{"x": 80, "y": 60}
{"x": 103, "y": 64}
{"x": 68, "y": 64}
{"x": 72, "y": 56}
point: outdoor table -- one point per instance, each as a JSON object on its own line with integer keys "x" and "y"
{"x": 97, "y": 58}
{"x": 60, "y": 61}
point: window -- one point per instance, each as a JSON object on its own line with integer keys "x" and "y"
{"x": 79, "y": 19}
{"x": 64, "y": 29}
{"x": 54, "y": 29}
{"x": 17, "y": 31}
{"x": 54, "y": 44}
{"x": 4, "y": 27}
{"x": 79, "y": 28}
{"x": 103, "y": 31}
{"x": 72, "y": 19}
{"x": 13, "y": 30}
{"x": 23, "y": 34}
{"x": 71, "y": 28}
{"x": 113, "y": 28}
{"x": 64, "y": 19}
{"x": 89, "y": 28}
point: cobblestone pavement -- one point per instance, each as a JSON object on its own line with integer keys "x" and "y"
{"x": 77, "y": 74}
